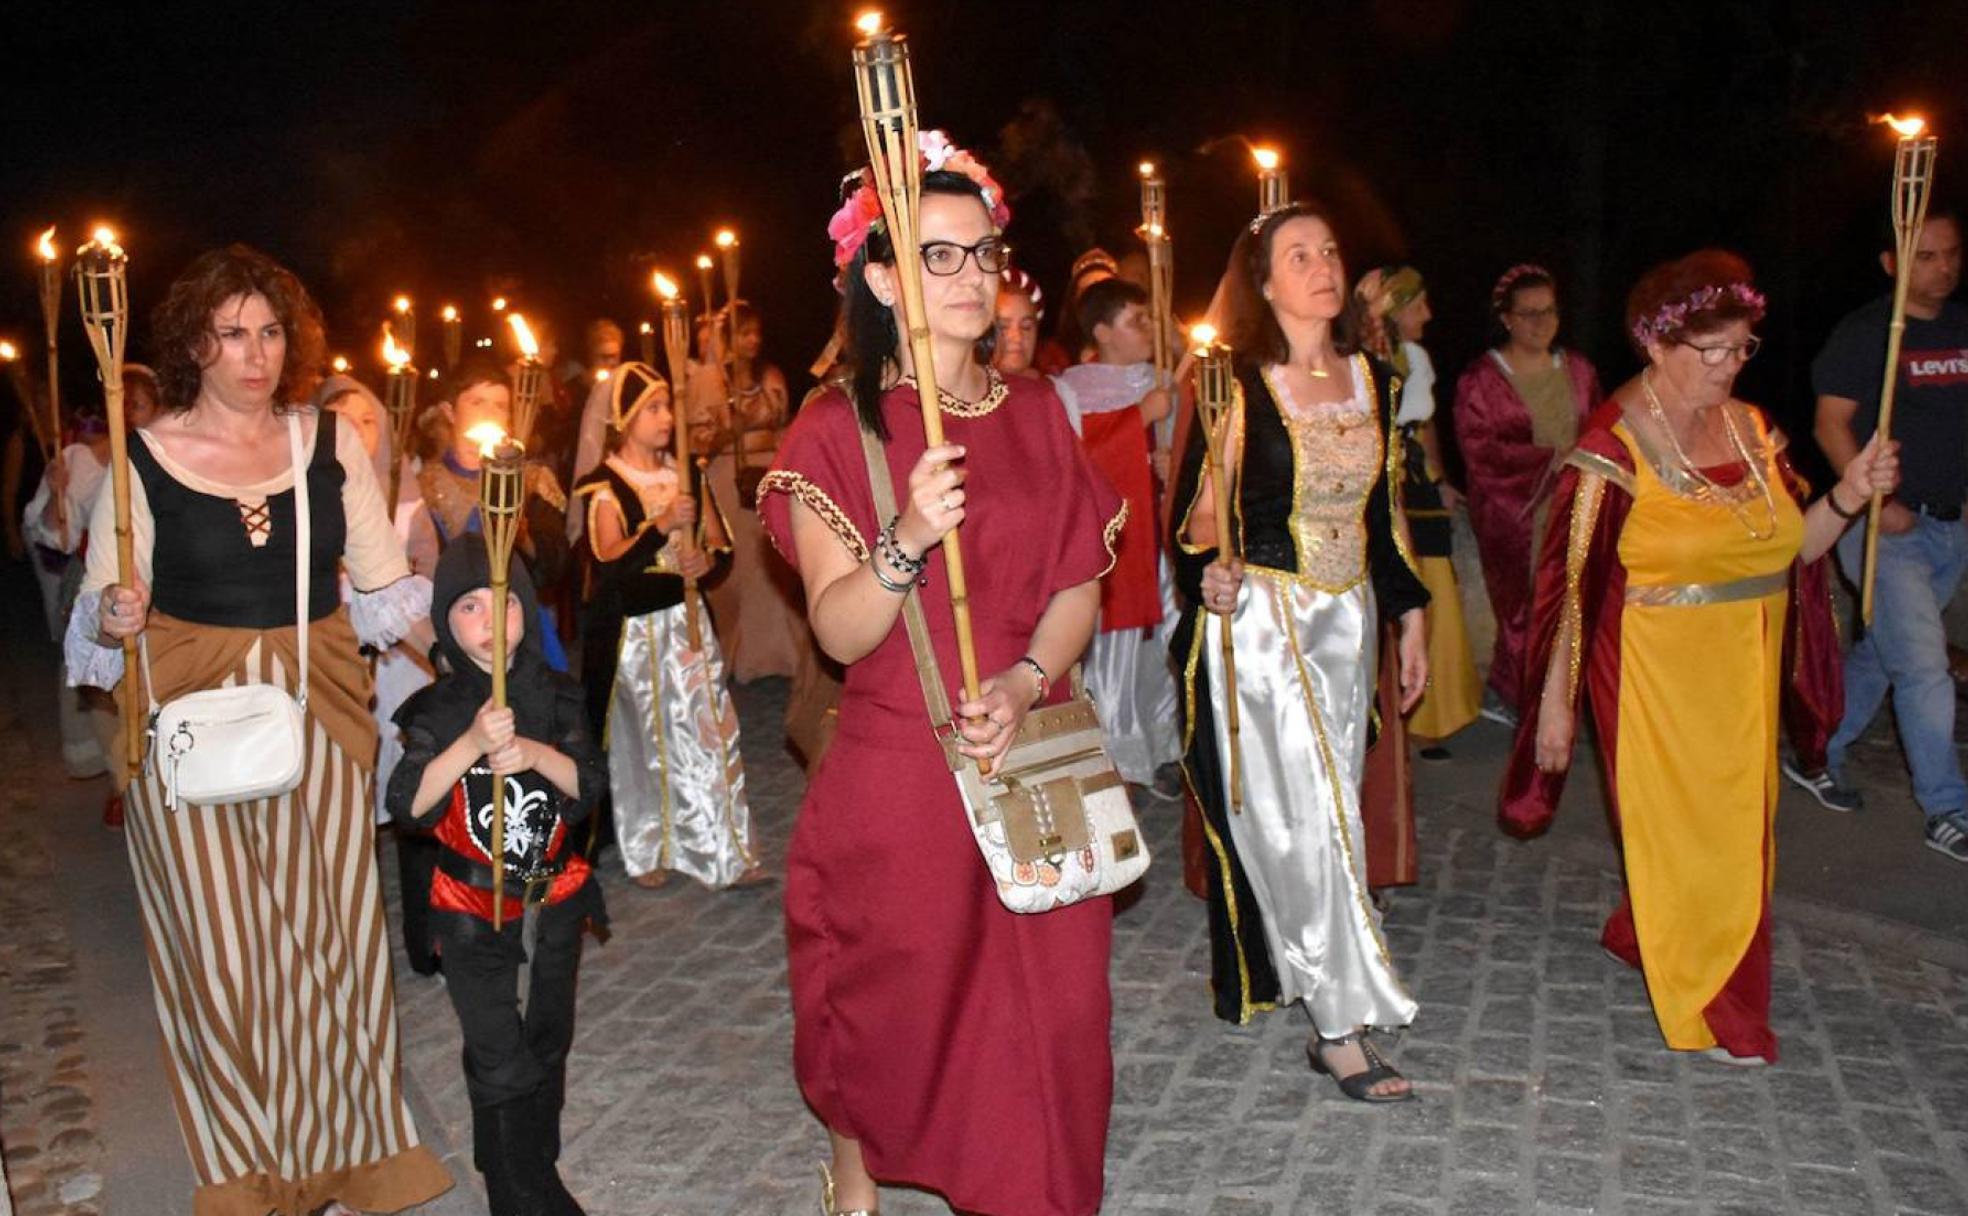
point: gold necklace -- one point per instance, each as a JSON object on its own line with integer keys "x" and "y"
{"x": 1711, "y": 490}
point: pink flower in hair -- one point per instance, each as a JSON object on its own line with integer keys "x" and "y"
{"x": 862, "y": 209}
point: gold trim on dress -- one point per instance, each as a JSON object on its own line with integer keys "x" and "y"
{"x": 1663, "y": 595}
{"x": 817, "y": 500}
{"x": 1592, "y": 463}
{"x": 957, "y": 407}
{"x": 1590, "y": 495}
{"x": 1110, "y": 536}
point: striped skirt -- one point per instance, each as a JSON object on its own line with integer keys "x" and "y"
{"x": 264, "y": 923}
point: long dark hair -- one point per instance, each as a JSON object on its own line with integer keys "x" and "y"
{"x": 872, "y": 341}
{"x": 1248, "y": 323}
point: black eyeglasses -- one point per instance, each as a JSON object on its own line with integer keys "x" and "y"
{"x": 1716, "y": 356}
{"x": 945, "y": 258}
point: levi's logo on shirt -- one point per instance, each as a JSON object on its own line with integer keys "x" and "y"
{"x": 1935, "y": 368}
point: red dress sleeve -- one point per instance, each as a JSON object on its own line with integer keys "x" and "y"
{"x": 1813, "y": 694}
{"x": 1581, "y": 591}
{"x": 820, "y": 463}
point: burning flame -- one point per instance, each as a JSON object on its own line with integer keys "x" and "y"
{"x": 103, "y": 235}
{"x": 725, "y": 238}
{"x": 869, "y": 22}
{"x": 394, "y": 355}
{"x": 450, "y": 313}
{"x": 1203, "y": 335}
{"x": 1267, "y": 159}
{"x": 46, "y": 246}
{"x": 402, "y": 304}
{"x": 341, "y": 365}
{"x": 523, "y": 334}
{"x": 1906, "y": 127}
{"x": 498, "y": 303}
{"x": 646, "y": 328}
{"x": 601, "y": 373}
{"x": 1155, "y": 231}
{"x": 1147, "y": 168}
{"x": 433, "y": 373}
{"x": 666, "y": 286}
{"x": 703, "y": 261}
{"x": 8, "y": 352}
{"x": 488, "y": 436}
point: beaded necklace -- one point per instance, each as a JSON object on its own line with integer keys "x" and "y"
{"x": 1712, "y": 490}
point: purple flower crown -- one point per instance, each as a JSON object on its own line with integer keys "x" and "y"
{"x": 1672, "y": 317}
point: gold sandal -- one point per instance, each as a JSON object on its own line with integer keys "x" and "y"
{"x": 827, "y": 1207}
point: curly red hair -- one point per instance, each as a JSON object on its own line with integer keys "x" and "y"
{"x": 184, "y": 342}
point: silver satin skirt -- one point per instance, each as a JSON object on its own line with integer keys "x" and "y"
{"x": 674, "y": 770}
{"x": 1305, "y": 681}
{"x": 1132, "y": 683}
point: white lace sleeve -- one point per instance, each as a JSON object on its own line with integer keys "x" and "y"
{"x": 384, "y": 615}
{"x": 89, "y": 664}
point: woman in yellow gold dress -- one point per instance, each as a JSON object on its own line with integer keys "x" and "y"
{"x": 1681, "y": 584}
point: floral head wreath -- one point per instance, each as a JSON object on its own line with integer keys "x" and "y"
{"x": 861, "y": 212}
{"x": 1672, "y": 317}
{"x": 1508, "y": 280}
{"x": 1018, "y": 280}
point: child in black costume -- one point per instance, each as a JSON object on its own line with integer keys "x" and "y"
{"x": 455, "y": 744}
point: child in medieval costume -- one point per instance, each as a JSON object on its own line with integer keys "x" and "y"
{"x": 676, "y": 778}
{"x": 455, "y": 746}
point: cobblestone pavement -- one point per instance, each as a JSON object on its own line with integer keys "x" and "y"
{"x": 1543, "y": 1082}
{"x": 48, "y": 1112}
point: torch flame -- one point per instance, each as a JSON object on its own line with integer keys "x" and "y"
{"x": 703, "y": 261}
{"x": 488, "y": 436}
{"x": 869, "y": 22}
{"x": 8, "y": 352}
{"x": 601, "y": 373}
{"x": 1155, "y": 231}
{"x": 523, "y": 334}
{"x": 450, "y": 313}
{"x": 402, "y": 304}
{"x": 1147, "y": 168}
{"x": 46, "y": 246}
{"x": 646, "y": 328}
{"x": 498, "y": 303}
{"x": 725, "y": 238}
{"x": 665, "y": 285}
{"x": 104, "y": 235}
{"x": 341, "y": 365}
{"x": 1203, "y": 335}
{"x": 1907, "y": 127}
{"x": 1266, "y": 158}
{"x": 393, "y": 354}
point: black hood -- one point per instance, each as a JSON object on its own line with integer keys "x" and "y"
{"x": 464, "y": 568}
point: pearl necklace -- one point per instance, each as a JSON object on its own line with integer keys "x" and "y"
{"x": 1711, "y": 490}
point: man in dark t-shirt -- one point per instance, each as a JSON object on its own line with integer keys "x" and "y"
{"x": 1923, "y": 545}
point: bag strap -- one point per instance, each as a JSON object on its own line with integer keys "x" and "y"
{"x": 303, "y": 563}
{"x": 935, "y": 696}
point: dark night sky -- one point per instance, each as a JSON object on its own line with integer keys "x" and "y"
{"x": 436, "y": 147}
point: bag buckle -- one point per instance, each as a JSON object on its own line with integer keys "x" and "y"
{"x": 537, "y": 890}
{"x": 947, "y": 738}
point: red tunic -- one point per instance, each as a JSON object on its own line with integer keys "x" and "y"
{"x": 455, "y": 833}
{"x": 965, "y": 1047}
{"x": 1130, "y": 594}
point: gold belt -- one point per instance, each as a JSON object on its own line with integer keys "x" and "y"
{"x": 1661, "y": 595}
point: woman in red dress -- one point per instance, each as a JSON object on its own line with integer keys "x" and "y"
{"x": 1518, "y": 410}
{"x": 945, "y": 1042}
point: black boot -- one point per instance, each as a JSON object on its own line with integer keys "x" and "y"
{"x": 505, "y": 1149}
{"x": 547, "y": 1101}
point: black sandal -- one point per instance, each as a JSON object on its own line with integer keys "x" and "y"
{"x": 1359, "y": 1085}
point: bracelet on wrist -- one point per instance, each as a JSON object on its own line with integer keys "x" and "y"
{"x": 1045, "y": 681}
{"x": 1831, "y": 497}
{"x": 900, "y": 587}
{"x": 891, "y": 552}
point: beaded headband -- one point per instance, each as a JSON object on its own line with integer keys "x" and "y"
{"x": 1672, "y": 317}
{"x": 861, "y": 211}
{"x": 1508, "y": 280}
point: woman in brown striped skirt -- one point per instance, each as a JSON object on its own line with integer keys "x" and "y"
{"x": 264, "y": 920}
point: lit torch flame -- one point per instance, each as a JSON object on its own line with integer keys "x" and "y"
{"x": 666, "y": 286}
{"x": 646, "y": 328}
{"x": 450, "y": 313}
{"x": 341, "y": 365}
{"x": 523, "y": 334}
{"x": 1154, "y": 231}
{"x": 8, "y": 352}
{"x": 704, "y": 261}
{"x": 869, "y": 22}
{"x": 46, "y": 246}
{"x": 1204, "y": 335}
{"x": 402, "y": 304}
{"x": 498, "y": 303}
{"x": 725, "y": 238}
{"x": 1147, "y": 168}
{"x": 1906, "y": 127}
{"x": 488, "y": 436}
{"x": 393, "y": 354}
{"x": 1266, "y": 158}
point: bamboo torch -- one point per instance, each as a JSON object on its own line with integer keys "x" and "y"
{"x": 676, "y": 347}
{"x": 1273, "y": 184}
{"x": 648, "y": 334}
{"x": 400, "y": 396}
{"x": 887, "y": 92}
{"x": 103, "y": 290}
{"x": 501, "y": 489}
{"x": 49, "y": 432}
{"x": 704, "y": 284}
{"x": 1913, "y": 180}
{"x": 454, "y": 336}
{"x": 529, "y": 380}
{"x": 1161, "y": 279}
{"x": 1215, "y": 394}
{"x": 403, "y": 321}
